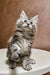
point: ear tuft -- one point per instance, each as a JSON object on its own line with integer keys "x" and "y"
{"x": 22, "y": 12}
{"x": 22, "y": 15}
{"x": 35, "y": 19}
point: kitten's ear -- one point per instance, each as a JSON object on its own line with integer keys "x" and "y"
{"x": 22, "y": 15}
{"x": 35, "y": 19}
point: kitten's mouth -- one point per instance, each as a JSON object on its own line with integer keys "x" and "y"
{"x": 27, "y": 28}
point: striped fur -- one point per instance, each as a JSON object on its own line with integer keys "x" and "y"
{"x": 19, "y": 45}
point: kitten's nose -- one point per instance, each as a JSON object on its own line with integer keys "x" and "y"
{"x": 28, "y": 24}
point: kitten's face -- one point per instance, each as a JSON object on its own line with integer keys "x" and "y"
{"x": 27, "y": 23}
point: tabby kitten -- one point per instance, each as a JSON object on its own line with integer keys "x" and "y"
{"x": 19, "y": 46}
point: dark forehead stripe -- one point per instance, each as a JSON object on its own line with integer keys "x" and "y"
{"x": 29, "y": 18}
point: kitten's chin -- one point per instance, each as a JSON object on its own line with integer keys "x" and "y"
{"x": 27, "y": 28}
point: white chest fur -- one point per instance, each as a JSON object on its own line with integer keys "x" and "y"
{"x": 24, "y": 45}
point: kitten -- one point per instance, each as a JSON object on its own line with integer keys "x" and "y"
{"x": 19, "y": 46}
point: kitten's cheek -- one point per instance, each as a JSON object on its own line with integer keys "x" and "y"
{"x": 24, "y": 25}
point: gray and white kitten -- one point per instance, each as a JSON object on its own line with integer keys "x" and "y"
{"x": 19, "y": 46}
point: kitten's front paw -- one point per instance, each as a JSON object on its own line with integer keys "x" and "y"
{"x": 32, "y": 61}
{"x": 27, "y": 67}
{"x": 12, "y": 66}
{"x": 26, "y": 63}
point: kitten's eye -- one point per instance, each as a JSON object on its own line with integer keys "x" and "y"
{"x": 31, "y": 22}
{"x": 25, "y": 20}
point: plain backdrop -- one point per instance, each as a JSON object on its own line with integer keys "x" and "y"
{"x": 9, "y": 13}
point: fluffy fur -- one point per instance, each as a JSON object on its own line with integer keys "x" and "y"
{"x": 19, "y": 46}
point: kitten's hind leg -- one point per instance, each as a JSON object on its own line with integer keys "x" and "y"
{"x": 12, "y": 65}
{"x": 26, "y": 63}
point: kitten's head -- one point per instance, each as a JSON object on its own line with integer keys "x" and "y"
{"x": 26, "y": 22}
